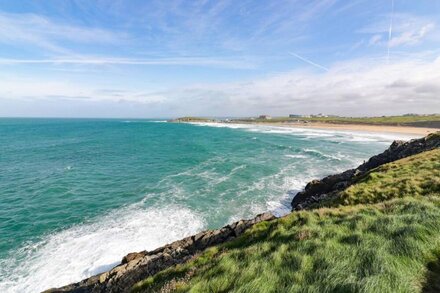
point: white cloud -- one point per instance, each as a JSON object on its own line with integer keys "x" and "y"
{"x": 356, "y": 87}
{"x": 363, "y": 87}
{"x": 29, "y": 89}
{"x": 411, "y": 37}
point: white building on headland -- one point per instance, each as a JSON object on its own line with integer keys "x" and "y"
{"x": 265, "y": 117}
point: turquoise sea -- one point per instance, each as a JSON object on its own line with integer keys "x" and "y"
{"x": 78, "y": 194}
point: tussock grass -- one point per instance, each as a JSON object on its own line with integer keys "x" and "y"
{"x": 389, "y": 241}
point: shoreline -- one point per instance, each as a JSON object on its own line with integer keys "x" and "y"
{"x": 408, "y": 130}
{"x": 137, "y": 266}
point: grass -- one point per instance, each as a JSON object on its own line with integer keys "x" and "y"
{"x": 383, "y": 237}
{"x": 414, "y": 176}
{"x": 193, "y": 119}
{"x": 384, "y": 120}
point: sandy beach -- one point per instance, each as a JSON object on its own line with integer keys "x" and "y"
{"x": 415, "y": 131}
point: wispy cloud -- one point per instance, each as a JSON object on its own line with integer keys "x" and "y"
{"x": 16, "y": 29}
{"x": 399, "y": 30}
{"x": 314, "y": 8}
{"x": 411, "y": 37}
{"x": 237, "y": 63}
{"x": 309, "y": 61}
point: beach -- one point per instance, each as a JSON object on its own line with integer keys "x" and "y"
{"x": 406, "y": 130}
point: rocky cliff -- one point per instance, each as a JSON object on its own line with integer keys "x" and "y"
{"x": 316, "y": 190}
{"x": 139, "y": 265}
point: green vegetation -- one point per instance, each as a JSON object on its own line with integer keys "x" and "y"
{"x": 409, "y": 120}
{"x": 192, "y": 119}
{"x": 414, "y": 176}
{"x": 384, "y": 236}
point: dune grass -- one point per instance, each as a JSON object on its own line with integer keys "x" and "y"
{"x": 383, "y": 240}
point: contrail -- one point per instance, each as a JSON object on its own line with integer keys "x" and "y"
{"x": 390, "y": 31}
{"x": 309, "y": 61}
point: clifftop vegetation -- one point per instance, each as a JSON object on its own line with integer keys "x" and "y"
{"x": 403, "y": 120}
{"x": 192, "y": 119}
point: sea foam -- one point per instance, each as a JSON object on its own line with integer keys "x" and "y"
{"x": 337, "y": 135}
{"x": 88, "y": 249}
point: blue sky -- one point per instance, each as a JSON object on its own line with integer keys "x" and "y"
{"x": 218, "y": 58}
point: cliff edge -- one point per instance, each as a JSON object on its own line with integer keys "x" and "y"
{"x": 317, "y": 190}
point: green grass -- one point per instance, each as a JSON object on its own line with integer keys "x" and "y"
{"x": 385, "y": 120}
{"x": 414, "y": 176}
{"x": 193, "y": 119}
{"x": 385, "y": 237}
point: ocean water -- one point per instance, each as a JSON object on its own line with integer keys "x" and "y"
{"x": 76, "y": 195}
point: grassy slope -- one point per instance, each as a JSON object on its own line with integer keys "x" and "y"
{"x": 413, "y": 176}
{"x": 388, "y": 242}
{"x": 388, "y": 120}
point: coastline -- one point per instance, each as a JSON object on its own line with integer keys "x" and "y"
{"x": 138, "y": 266}
{"x": 408, "y": 130}
{"x": 290, "y": 150}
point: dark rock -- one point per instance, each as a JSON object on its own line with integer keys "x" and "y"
{"x": 137, "y": 266}
{"x": 131, "y": 256}
{"x": 341, "y": 185}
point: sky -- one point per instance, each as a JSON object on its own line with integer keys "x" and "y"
{"x": 149, "y": 59}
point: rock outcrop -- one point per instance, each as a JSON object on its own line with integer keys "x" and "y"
{"x": 140, "y": 265}
{"x": 316, "y": 190}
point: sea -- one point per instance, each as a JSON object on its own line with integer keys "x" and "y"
{"x": 76, "y": 195}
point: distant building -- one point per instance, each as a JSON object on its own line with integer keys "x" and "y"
{"x": 295, "y": 116}
{"x": 265, "y": 117}
{"x": 319, "y": 115}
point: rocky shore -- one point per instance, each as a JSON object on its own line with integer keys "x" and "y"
{"x": 317, "y": 190}
{"x": 137, "y": 266}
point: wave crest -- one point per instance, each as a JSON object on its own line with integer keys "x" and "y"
{"x": 86, "y": 250}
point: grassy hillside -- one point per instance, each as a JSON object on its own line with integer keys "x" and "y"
{"x": 381, "y": 235}
{"x": 412, "y": 176}
{"x": 385, "y": 120}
